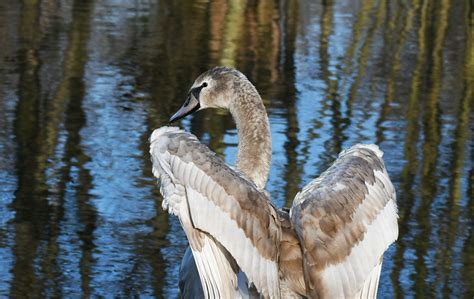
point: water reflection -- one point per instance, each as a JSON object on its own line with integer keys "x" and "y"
{"x": 83, "y": 83}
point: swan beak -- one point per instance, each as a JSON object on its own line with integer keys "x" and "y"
{"x": 189, "y": 106}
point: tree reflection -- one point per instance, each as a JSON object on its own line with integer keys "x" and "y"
{"x": 321, "y": 68}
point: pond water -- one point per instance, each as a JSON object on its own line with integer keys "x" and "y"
{"x": 84, "y": 83}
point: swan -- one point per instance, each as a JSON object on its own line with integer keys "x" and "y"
{"x": 329, "y": 245}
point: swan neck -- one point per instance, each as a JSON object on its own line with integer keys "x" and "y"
{"x": 253, "y": 129}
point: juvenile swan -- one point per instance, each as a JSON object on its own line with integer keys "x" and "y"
{"x": 330, "y": 245}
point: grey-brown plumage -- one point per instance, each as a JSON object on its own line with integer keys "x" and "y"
{"x": 329, "y": 245}
{"x": 233, "y": 91}
{"x": 219, "y": 202}
{"x": 340, "y": 210}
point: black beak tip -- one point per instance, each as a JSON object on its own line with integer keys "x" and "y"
{"x": 183, "y": 112}
{"x": 176, "y": 117}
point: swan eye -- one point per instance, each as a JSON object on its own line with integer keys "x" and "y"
{"x": 204, "y": 84}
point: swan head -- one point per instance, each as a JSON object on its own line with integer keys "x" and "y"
{"x": 215, "y": 88}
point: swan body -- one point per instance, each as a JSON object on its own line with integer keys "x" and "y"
{"x": 329, "y": 245}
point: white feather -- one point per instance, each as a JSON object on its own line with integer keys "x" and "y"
{"x": 241, "y": 248}
{"x": 370, "y": 247}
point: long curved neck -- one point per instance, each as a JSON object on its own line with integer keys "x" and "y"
{"x": 253, "y": 129}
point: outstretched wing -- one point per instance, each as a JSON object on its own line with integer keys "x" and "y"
{"x": 345, "y": 220}
{"x": 220, "y": 203}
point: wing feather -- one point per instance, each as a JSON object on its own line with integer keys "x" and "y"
{"x": 221, "y": 204}
{"x": 263, "y": 272}
{"x": 345, "y": 220}
{"x": 215, "y": 272}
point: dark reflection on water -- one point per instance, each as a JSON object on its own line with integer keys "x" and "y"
{"x": 83, "y": 84}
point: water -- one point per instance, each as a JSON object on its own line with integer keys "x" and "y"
{"x": 84, "y": 83}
